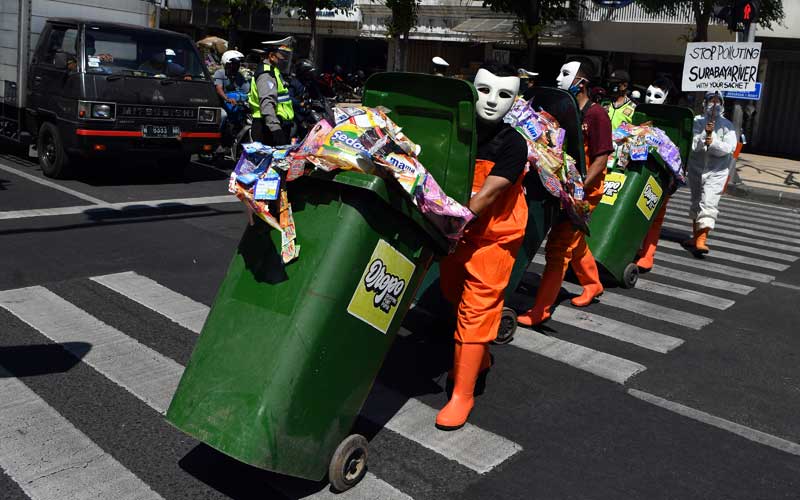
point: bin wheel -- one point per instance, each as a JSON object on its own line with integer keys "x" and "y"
{"x": 630, "y": 276}
{"x": 508, "y": 325}
{"x": 349, "y": 463}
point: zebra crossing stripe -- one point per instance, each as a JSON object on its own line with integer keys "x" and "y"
{"x": 144, "y": 372}
{"x": 686, "y": 228}
{"x": 179, "y": 308}
{"x": 616, "y": 329}
{"x": 741, "y": 259}
{"x": 50, "y": 459}
{"x": 714, "y": 267}
{"x": 700, "y": 298}
{"x": 716, "y": 243}
{"x": 730, "y": 201}
{"x": 583, "y": 358}
{"x": 771, "y": 234}
{"x": 697, "y": 279}
{"x": 681, "y": 208}
{"x": 655, "y": 311}
{"x": 414, "y": 421}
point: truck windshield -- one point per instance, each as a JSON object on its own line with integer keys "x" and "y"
{"x": 140, "y": 53}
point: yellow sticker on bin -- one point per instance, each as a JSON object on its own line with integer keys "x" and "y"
{"x": 648, "y": 200}
{"x": 381, "y": 288}
{"x": 612, "y": 185}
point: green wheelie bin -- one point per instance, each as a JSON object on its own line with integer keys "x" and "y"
{"x": 542, "y": 212}
{"x": 634, "y": 195}
{"x": 289, "y": 353}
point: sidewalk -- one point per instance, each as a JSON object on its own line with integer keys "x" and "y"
{"x": 766, "y": 179}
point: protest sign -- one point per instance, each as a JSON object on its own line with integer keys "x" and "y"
{"x": 721, "y": 66}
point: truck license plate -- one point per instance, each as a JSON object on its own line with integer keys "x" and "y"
{"x": 160, "y": 131}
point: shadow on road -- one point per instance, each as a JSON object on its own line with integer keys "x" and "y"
{"x": 40, "y": 359}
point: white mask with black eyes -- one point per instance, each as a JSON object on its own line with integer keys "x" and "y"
{"x": 655, "y": 95}
{"x": 496, "y": 95}
{"x": 567, "y": 75}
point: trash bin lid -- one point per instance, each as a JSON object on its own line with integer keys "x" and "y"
{"x": 564, "y": 108}
{"x": 675, "y": 121}
{"x": 438, "y": 114}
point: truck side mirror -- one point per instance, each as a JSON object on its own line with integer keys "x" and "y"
{"x": 60, "y": 60}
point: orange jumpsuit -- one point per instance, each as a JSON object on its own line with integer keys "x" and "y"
{"x": 566, "y": 244}
{"x": 475, "y": 276}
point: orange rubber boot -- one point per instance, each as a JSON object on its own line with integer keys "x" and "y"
{"x": 648, "y": 251}
{"x": 486, "y": 362}
{"x": 546, "y": 295}
{"x": 466, "y": 365}
{"x": 700, "y": 241}
{"x": 586, "y": 271}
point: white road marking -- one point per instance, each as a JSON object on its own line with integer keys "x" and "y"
{"x": 655, "y": 311}
{"x": 471, "y": 446}
{"x": 414, "y": 421}
{"x": 785, "y": 285}
{"x": 50, "y": 184}
{"x": 700, "y": 280}
{"x": 687, "y": 228}
{"x": 179, "y": 308}
{"x": 144, "y": 372}
{"x": 780, "y": 235}
{"x": 595, "y": 362}
{"x": 616, "y": 329}
{"x": 370, "y": 488}
{"x": 699, "y": 298}
{"x": 741, "y": 259}
{"x": 50, "y": 459}
{"x": 747, "y": 204}
{"x": 714, "y": 267}
{"x": 717, "y": 243}
{"x": 720, "y": 423}
{"x": 128, "y": 205}
{"x": 682, "y": 208}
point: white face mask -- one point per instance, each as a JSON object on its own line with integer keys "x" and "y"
{"x": 496, "y": 95}
{"x": 567, "y": 75}
{"x": 655, "y": 95}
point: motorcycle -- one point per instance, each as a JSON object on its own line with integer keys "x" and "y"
{"x": 236, "y": 129}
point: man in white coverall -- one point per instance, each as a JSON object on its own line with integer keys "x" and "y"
{"x": 713, "y": 144}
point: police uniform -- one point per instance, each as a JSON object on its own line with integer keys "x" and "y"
{"x": 271, "y": 106}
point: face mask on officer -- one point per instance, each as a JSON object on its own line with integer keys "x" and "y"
{"x": 496, "y": 95}
{"x": 655, "y": 95}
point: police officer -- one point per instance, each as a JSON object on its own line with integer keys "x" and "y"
{"x": 621, "y": 108}
{"x": 269, "y": 97}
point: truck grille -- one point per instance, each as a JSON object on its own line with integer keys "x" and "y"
{"x": 156, "y": 112}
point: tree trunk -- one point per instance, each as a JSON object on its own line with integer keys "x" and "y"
{"x": 702, "y": 15}
{"x": 398, "y": 54}
{"x": 403, "y": 65}
{"x": 312, "y": 49}
{"x": 530, "y": 59}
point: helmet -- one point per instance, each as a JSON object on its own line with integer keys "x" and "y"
{"x": 338, "y": 69}
{"x": 231, "y": 55}
{"x": 305, "y": 70}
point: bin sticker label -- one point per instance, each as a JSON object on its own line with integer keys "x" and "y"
{"x": 648, "y": 200}
{"x": 382, "y": 286}
{"x": 612, "y": 186}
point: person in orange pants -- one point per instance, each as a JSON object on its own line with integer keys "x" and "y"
{"x": 475, "y": 276}
{"x": 565, "y": 243}
{"x": 648, "y": 250}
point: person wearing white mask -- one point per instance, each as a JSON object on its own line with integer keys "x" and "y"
{"x": 475, "y": 276}
{"x": 713, "y": 144}
{"x": 657, "y": 93}
{"x": 566, "y": 245}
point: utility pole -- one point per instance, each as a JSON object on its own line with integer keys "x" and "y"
{"x": 157, "y": 4}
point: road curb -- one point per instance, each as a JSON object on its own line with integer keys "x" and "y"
{"x": 785, "y": 198}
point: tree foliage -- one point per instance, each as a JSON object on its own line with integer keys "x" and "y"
{"x": 770, "y": 12}
{"x": 403, "y": 19}
{"x": 232, "y": 14}
{"x": 307, "y": 9}
{"x": 532, "y": 15}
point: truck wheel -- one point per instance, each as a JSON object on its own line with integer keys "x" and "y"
{"x": 349, "y": 463}
{"x": 52, "y": 157}
{"x": 508, "y": 325}
{"x": 630, "y": 276}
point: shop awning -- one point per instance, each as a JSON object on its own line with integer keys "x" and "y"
{"x": 487, "y": 27}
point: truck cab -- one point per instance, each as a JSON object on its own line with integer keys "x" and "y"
{"x": 98, "y": 89}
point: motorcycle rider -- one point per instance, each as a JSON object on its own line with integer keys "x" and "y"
{"x": 306, "y": 95}
{"x": 228, "y": 78}
{"x": 269, "y": 97}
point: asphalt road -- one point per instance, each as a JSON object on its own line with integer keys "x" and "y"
{"x": 687, "y": 386}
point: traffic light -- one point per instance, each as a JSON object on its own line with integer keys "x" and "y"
{"x": 742, "y": 14}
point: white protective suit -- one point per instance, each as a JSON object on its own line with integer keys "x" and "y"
{"x": 708, "y": 168}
